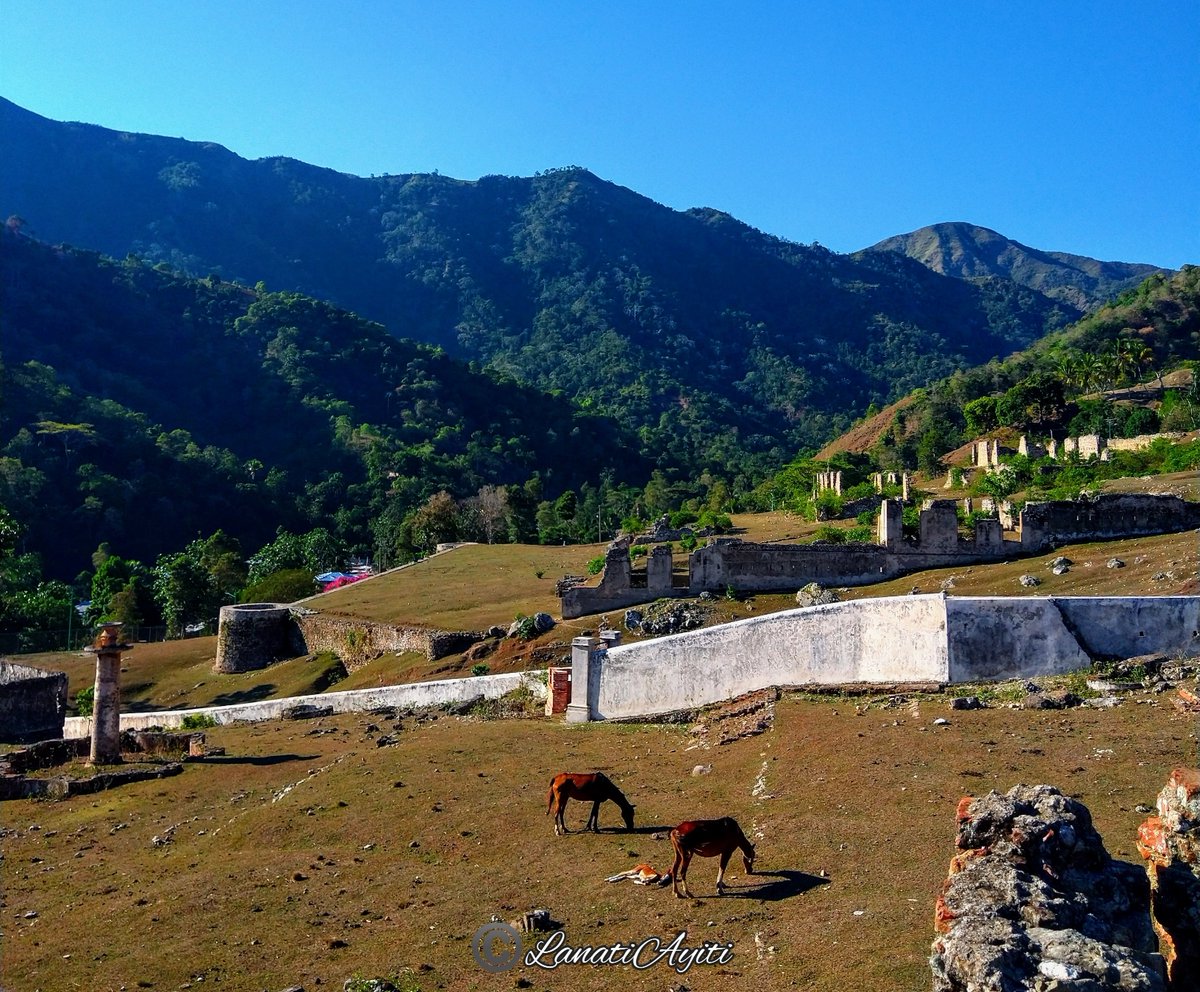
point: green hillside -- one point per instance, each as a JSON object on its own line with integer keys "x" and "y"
{"x": 726, "y": 349}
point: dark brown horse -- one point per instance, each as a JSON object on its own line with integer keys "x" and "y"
{"x": 594, "y": 787}
{"x": 708, "y": 839}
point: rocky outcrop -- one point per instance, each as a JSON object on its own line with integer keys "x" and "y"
{"x": 1170, "y": 843}
{"x": 1035, "y": 902}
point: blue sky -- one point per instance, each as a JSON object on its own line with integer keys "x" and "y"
{"x": 1069, "y": 126}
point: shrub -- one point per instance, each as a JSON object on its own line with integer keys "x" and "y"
{"x": 198, "y": 721}
{"x": 688, "y": 542}
{"x": 596, "y": 565}
{"x": 681, "y": 518}
{"x": 481, "y": 668}
{"x": 526, "y": 628}
{"x": 85, "y": 700}
{"x": 285, "y": 586}
{"x": 638, "y": 551}
{"x": 862, "y": 534}
{"x": 830, "y": 534}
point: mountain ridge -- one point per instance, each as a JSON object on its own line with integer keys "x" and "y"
{"x": 969, "y": 251}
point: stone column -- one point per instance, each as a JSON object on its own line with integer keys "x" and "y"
{"x": 106, "y": 702}
{"x": 579, "y": 710}
{"x": 610, "y": 638}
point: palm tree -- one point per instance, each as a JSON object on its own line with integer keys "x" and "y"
{"x": 1067, "y": 368}
{"x": 1089, "y": 367}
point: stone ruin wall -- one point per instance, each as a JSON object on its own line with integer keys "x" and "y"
{"x": 747, "y": 567}
{"x": 1107, "y": 516}
{"x": 358, "y": 641}
{"x": 33, "y": 704}
{"x": 253, "y": 636}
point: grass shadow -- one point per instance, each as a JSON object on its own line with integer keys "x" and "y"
{"x": 785, "y": 885}
{"x": 251, "y": 695}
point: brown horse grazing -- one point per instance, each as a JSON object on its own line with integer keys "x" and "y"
{"x": 708, "y": 839}
{"x": 595, "y": 788}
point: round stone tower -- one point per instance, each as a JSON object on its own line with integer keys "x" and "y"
{"x": 253, "y": 635}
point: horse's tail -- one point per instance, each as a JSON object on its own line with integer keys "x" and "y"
{"x": 550, "y": 798}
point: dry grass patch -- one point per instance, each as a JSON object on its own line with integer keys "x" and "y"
{"x": 309, "y": 852}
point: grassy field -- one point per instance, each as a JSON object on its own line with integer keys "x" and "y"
{"x": 308, "y": 854}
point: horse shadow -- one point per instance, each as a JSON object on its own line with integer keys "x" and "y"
{"x": 264, "y": 759}
{"x": 784, "y": 885}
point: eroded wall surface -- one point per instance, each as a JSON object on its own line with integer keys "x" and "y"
{"x": 895, "y": 639}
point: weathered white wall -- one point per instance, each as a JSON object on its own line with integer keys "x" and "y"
{"x": 1126, "y": 627}
{"x": 896, "y": 639}
{"x": 416, "y": 694}
{"x": 1009, "y": 637}
{"x": 899, "y": 638}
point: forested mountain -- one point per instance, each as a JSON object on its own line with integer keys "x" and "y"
{"x": 970, "y": 252}
{"x": 143, "y": 409}
{"x": 725, "y": 349}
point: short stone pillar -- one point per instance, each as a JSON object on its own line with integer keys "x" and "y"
{"x": 658, "y": 572}
{"x": 610, "y": 638}
{"x": 558, "y": 695}
{"x": 106, "y": 702}
{"x": 580, "y": 708}
{"x": 891, "y": 524}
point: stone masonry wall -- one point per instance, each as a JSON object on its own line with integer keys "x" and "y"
{"x": 33, "y": 704}
{"x": 1107, "y": 516}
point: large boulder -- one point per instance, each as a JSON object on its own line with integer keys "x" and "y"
{"x": 1034, "y": 901}
{"x": 815, "y": 594}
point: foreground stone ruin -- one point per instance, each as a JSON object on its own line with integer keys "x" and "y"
{"x": 1034, "y": 901}
{"x": 1170, "y": 843}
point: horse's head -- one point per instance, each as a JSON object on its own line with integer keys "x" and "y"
{"x": 627, "y": 812}
{"x": 748, "y": 860}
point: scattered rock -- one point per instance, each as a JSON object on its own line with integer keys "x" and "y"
{"x": 948, "y": 584}
{"x": 1060, "y": 700}
{"x": 1061, "y": 561}
{"x": 1060, "y": 569}
{"x": 480, "y": 650}
{"x": 1029, "y": 581}
{"x": 966, "y": 703}
{"x": 1109, "y": 687}
{"x": 1114, "y": 563}
{"x": 633, "y": 619}
{"x": 1034, "y": 896}
{"x": 1161, "y": 576}
{"x": 941, "y": 721}
{"x": 701, "y": 770}
{"x": 815, "y": 594}
{"x": 1186, "y": 701}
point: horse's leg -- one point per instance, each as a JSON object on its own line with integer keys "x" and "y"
{"x": 594, "y": 819}
{"x": 721, "y": 871}
{"x": 682, "y": 860}
{"x": 560, "y": 826}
